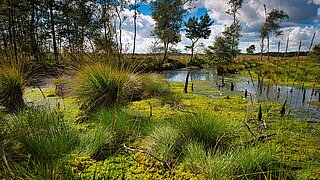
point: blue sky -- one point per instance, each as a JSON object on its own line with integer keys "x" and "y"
{"x": 303, "y": 22}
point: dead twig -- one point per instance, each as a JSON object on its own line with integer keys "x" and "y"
{"x": 149, "y": 154}
{"x": 248, "y": 127}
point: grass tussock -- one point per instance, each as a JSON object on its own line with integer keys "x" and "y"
{"x": 154, "y": 85}
{"x": 245, "y": 162}
{"x": 11, "y": 88}
{"x": 123, "y": 123}
{"x": 101, "y": 85}
{"x": 165, "y": 143}
{"x": 197, "y": 133}
{"x": 42, "y": 134}
{"x": 205, "y": 128}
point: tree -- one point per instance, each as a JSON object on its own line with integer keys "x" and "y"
{"x": 234, "y": 30}
{"x": 168, "y": 15}
{"x": 251, "y": 49}
{"x": 315, "y": 53}
{"x": 197, "y": 29}
{"x": 135, "y": 7}
{"x": 271, "y": 25}
{"x": 220, "y": 54}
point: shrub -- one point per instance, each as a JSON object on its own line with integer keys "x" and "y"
{"x": 11, "y": 88}
{"x": 42, "y": 134}
{"x": 197, "y": 62}
{"x": 101, "y": 85}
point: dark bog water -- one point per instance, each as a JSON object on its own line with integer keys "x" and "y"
{"x": 298, "y": 99}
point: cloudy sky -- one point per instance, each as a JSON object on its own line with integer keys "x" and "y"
{"x": 304, "y": 20}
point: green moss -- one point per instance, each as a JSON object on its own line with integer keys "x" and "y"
{"x": 126, "y": 165}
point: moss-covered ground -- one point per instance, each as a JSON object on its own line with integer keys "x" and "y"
{"x": 297, "y": 141}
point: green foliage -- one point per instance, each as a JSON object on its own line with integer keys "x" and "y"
{"x": 251, "y": 49}
{"x": 168, "y": 15}
{"x": 11, "y": 88}
{"x": 165, "y": 143}
{"x": 101, "y": 85}
{"x": 203, "y": 128}
{"x": 197, "y": 62}
{"x": 221, "y": 52}
{"x": 272, "y": 23}
{"x": 42, "y": 134}
{"x": 154, "y": 85}
{"x": 315, "y": 53}
{"x": 197, "y": 29}
{"x": 124, "y": 124}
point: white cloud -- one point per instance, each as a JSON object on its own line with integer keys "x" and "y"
{"x": 301, "y": 25}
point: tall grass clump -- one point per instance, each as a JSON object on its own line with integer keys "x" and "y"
{"x": 11, "y": 88}
{"x": 43, "y": 135}
{"x": 188, "y": 137}
{"x": 93, "y": 140}
{"x": 165, "y": 143}
{"x": 256, "y": 162}
{"x": 100, "y": 85}
{"x": 204, "y": 128}
{"x": 195, "y": 156}
{"x": 123, "y": 123}
{"x": 154, "y": 85}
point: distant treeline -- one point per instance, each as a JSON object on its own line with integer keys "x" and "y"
{"x": 282, "y": 54}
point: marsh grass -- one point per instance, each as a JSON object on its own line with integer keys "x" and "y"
{"x": 113, "y": 128}
{"x": 42, "y": 134}
{"x": 245, "y": 162}
{"x": 205, "y": 128}
{"x": 165, "y": 143}
{"x": 100, "y": 85}
{"x": 154, "y": 85}
{"x": 93, "y": 140}
{"x": 124, "y": 123}
{"x": 11, "y": 88}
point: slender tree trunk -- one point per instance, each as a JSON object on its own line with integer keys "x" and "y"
{"x": 14, "y": 42}
{"x": 120, "y": 33}
{"x": 135, "y": 28}
{"x": 268, "y": 47}
{"x": 285, "y": 54}
{"x": 262, "y": 46}
{"x": 166, "y": 47}
{"x": 311, "y": 44}
{"x": 34, "y": 46}
{"x": 192, "y": 52}
{"x": 53, "y": 33}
